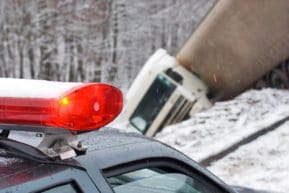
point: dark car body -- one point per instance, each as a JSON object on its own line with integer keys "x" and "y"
{"x": 110, "y": 153}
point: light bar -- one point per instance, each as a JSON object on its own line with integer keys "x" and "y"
{"x": 73, "y": 106}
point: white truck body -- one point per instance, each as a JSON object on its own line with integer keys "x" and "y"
{"x": 163, "y": 93}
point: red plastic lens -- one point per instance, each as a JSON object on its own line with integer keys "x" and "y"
{"x": 86, "y": 107}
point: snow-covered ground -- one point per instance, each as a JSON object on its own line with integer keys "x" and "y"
{"x": 263, "y": 163}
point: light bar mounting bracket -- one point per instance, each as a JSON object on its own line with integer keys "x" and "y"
{"x": 56, "y": 142}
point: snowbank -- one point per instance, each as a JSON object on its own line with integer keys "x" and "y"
{"x": 262, "y": 164}
{"x": 225, "y": 123}
{"x": 255, "y": 164}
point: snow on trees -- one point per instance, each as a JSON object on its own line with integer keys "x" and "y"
{"x": 91, "y": 40}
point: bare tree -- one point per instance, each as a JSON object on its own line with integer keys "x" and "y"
{"x": 91, "y": 40}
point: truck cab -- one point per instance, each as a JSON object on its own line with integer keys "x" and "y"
{"x": 163, "y": 93}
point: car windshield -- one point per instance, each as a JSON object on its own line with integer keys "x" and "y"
{"x": 151, "y": 104}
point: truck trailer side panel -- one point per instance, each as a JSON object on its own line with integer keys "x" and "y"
{"x": 237, "y": 43}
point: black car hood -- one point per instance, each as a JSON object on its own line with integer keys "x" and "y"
{"x": 240, "y": 189}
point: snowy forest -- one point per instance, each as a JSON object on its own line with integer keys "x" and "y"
{"x": 91, "y": 40}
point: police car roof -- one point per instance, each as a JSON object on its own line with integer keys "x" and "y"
{"x": 109, "y": 147}
{"x": 106, "y": 148}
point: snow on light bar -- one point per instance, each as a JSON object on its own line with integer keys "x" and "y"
{"x": 73, "y": 106}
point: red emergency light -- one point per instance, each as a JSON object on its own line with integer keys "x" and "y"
{"x": 81, "y": 107}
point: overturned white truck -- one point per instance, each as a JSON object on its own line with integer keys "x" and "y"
{"x": 237, "y": 44}
{"x": 163, "y": 93}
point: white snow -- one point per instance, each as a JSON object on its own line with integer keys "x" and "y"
{"x": 225, "y": 123}
{"x": 261, "y": 164}
{"x": 25, "y": 88}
